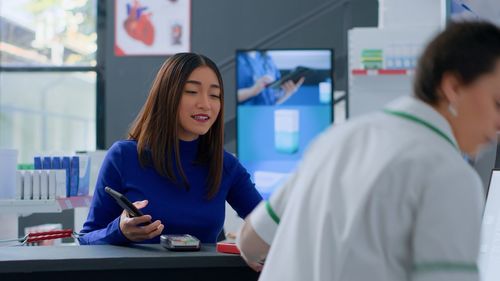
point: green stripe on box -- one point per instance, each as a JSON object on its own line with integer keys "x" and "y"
{"x": 371, "y": 59}
{"x": 371, "y": 52}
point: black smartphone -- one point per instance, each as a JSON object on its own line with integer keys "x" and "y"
{"x": 124, "y": 202}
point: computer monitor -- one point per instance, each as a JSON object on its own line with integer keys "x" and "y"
{"x": 489, "y": 255}
{"x": 284, "y": 100}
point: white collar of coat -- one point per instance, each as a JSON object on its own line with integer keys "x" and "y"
{"x": 417, "y": 108}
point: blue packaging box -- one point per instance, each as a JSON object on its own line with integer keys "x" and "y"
{"x": 84, "y": 177}
{"x": 46, "y": 163}
{"x": 65, "y": 164}
{"x": 74, "y": 175}
{"x": 56, "y": 162}
{"x": 37, "y": 162}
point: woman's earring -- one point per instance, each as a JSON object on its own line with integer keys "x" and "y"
{"x": 452, "y": 110}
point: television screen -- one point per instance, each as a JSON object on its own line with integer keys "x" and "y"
{"x": 284, "y": 100}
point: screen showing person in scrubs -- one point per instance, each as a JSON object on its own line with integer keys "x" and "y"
{"x": 284, "y": 100}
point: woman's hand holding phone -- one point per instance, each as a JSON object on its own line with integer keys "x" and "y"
{"x": 135, "y": 228}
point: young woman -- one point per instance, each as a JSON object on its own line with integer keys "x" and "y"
{"x": 173, "y": 165}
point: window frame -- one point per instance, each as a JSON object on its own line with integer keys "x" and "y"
{"x": 98, "y": 69}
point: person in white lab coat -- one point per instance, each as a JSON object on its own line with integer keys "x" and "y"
{"x": 388, "y": 196}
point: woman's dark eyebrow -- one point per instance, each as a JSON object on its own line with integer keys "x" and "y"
{"x": 193, "y": 82}
{"x": 199, "y": 83}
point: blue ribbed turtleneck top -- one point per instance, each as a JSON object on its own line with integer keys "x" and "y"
{"x": 181, "y": 211}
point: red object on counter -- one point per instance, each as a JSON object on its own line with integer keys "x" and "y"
{"x": 228, "y": 248}
{"x": 48, "y": 235}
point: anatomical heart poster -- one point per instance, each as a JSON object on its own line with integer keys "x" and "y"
{"x": 152, "y": 27}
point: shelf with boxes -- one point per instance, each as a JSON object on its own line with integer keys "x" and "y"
{"x": 48, "y": 189}
{"x": 382, "y": 65}
{"x": 55, "y": 184}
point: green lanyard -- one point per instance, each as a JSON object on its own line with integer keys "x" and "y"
{"x": 421, "y": 122}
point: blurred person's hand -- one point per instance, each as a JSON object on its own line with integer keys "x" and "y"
{"x": 290, "y": 88}
{"x": 261, "y": 83}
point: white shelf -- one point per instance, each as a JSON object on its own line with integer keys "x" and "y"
{"x": 382, "y": 72}
{"x": 371, "y": 89}
{"x": 43, "y": 206}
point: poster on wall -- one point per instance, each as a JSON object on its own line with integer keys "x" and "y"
{"x": 152, "y": 27}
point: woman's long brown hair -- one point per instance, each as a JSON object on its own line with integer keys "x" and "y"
{"x": 155, "y": 128}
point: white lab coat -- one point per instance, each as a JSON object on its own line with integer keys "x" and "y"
{"x": 379, "y": 198}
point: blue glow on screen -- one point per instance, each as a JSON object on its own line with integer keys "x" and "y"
{"x": 273, "y": 136}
